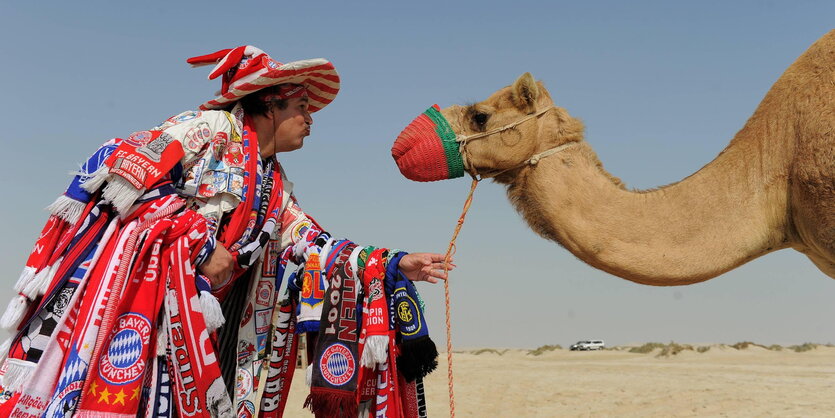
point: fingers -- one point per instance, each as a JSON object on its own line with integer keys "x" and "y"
{"x": 440, "y": 266}
{"x": 432, "y": 275}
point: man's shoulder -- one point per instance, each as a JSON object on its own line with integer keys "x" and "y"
{"x": 195, "y": 116}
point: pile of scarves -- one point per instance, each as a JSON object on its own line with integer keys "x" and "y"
{"x": 112, "y": 320}
{"x": 372, "y": 348}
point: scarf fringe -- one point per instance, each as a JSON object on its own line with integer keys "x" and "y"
{"x": 4, "y": 350}
{"x": 14, "y": 313}
{"x": 121, "y": 194}
{"x": 17, "y": 374}
{"x": 162, "y": 340}
{"x": 212, "y": 312}
{"x": 26, "y": 276}
{"x": 67, "y": 209}
{"x": 95, "y": 179}
{"x": 40, "y": 283}
{"x": 417, "y": 358}
{"x": 47, "y": 278}
{"x": 331, "y": 405}
{"x": 308, "y": 375}
{"x": 375, "y": 351}
{"x": 307, "y": 326}
{"x": 365, "y": 409}
{"x": 217, "y": 400}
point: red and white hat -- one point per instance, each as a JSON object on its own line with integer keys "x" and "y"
{"x": 247, "y": 69}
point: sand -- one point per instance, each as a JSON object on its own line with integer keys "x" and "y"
{"x": 723, "y": 381}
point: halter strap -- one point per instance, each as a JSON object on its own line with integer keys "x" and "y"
{"x": 464, "y": 139}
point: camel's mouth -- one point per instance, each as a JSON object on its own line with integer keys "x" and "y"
{"x": 426, "y": 150}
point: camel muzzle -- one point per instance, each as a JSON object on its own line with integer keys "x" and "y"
{"x": 427, "y": 149}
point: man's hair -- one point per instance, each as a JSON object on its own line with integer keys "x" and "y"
{"x": 254, "y": 103}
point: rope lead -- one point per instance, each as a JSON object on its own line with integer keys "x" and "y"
{"x": 449, "y": 252}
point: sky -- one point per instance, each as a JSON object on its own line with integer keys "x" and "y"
{"x": 661, "y": 86}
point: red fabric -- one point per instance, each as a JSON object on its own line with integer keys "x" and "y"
{"x": 375, "y": 320}
{"x": 196, "y": 376}
{"x": 144, "y": 166}
{"x": 67, "y": 236}
{"x": 288, "y": 91}
{"x": 207, "y": 59}
{"x": 240, "y": 216}
{"x": 45, "y": 245}
{"x": 7, "y": 407}
{"x": 120, "y": 369}
{"x": 388, "y": 395}
{"x": 320, "y": 94}
{"x": 408, "y": 397}
{"x": 282, "y": 362}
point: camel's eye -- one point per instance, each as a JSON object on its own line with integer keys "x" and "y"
{"x": 480, "y": 119}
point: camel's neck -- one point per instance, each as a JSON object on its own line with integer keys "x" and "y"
{"x": 729, "y": 212}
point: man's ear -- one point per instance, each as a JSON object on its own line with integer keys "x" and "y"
{"x": 525, "y": 93}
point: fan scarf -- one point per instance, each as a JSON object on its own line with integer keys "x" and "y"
{"x": 336, "y": 361}
{"x": 314, "y": 286}
{"x": 375, "y": 329}
{"x": 418, "y": 354}
{"x": 282, "y": 360}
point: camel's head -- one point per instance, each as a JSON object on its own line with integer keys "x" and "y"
{"x": 489, "y": 138}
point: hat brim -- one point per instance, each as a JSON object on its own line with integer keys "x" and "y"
{"x": 318, "y": 76}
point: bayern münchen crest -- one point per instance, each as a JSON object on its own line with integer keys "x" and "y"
{"x": 124, "y": 360}
{"x": 337, "y": 365}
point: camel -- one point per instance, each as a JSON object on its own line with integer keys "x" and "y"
{"x": 772, "y": 187}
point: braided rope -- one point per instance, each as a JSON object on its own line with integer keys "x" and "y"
{"x": 449, "y": 252}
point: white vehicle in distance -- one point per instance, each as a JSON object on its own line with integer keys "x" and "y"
{"x": 588, "y": 345}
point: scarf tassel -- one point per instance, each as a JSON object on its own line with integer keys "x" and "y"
{"x": 121, "y": 193}
{"x": 4, "y": 349}
{"x": 26, "y": 276}
{"x": 417, "y": 358}
{"x": 375, "y": 350}
{"x": 14, "y": 312}
{"x": 40, "y": 283}
{"x": 67, "y": 209}
{"x": 331, "y": 404}
{"x": 212, "y": 312}
{"x": 162, "y": 340}
{"x": 95, "y": 179}
{"x": 17, "y": 374}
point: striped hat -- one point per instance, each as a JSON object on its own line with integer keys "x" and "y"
{"x": 426, "y": 150}
{"x": 247, "y": 69}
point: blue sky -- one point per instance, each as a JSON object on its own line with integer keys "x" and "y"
{"x": 661, "y": 86}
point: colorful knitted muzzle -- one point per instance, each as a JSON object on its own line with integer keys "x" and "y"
{"x": 427, "y": 150}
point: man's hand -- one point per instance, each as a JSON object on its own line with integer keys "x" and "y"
{"x": 218, "y": 267}
{"x": 424, "y": 267}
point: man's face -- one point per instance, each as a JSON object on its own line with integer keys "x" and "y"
{"x": 292, "y": 124}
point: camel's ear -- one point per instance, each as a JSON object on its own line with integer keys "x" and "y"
{"x": 525, "y": 92}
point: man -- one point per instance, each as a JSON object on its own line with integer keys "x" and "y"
{"x": 111, "y": 317}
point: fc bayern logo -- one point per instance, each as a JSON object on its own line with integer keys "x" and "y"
{"x": 337, "y": 365}
{"x": 124, "y": 360}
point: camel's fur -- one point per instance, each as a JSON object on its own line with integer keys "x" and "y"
{"x": 773, "y": 186}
